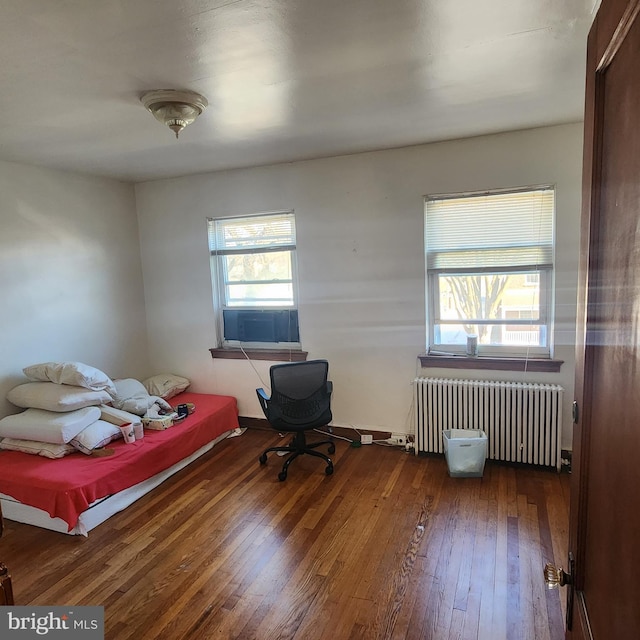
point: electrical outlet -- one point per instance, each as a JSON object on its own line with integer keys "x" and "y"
{"x": 399, "y": 439}
{"x": 366, "y": 438}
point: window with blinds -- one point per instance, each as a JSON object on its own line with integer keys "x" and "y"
{"x": 253, "y": 262}
{"x": 489, "y": 263}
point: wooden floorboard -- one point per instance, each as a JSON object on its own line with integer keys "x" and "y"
{"x": 388, "y": 547}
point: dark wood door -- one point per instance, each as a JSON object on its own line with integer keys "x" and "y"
{"x": 605, "y": 496}
{"x": 6, "y": 591}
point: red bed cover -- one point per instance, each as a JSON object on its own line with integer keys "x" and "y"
{"x": 64, "y": 488}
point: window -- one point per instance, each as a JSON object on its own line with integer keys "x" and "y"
{"x": 489, "y": 265}
{"x": 254, "y": 275}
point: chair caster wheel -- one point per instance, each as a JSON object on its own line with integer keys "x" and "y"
{"x": 282, "y": 476}
{"x": 263, "y": 458}
{"x": 329, "y": 470}
{"x": 332, "y": 449}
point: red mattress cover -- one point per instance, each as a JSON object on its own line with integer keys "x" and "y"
{"x": 65, "y": 487}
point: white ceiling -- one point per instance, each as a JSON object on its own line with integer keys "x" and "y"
{"x": 285, "y": 79}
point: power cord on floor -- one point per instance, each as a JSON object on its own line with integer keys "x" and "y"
{"x": 383, "y": 443}
{"x": 353, "y": 443}
{"x": 332, "y": 435}
{"x": 356, "y": 443}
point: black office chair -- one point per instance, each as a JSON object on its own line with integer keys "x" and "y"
{"x": 300, "y": 400}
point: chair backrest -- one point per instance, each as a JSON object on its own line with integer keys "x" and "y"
{"x": 300, "y": 395}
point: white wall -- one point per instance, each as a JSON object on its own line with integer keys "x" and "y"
{"x": 360, "y": 256}
{"x": 70, "y": 274}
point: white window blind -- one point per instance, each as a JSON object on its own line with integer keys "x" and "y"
{"x": 486, "y": 231}
{"x": 253, "y": 234}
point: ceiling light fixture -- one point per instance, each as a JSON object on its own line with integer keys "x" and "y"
{"x": 176, "y": 109}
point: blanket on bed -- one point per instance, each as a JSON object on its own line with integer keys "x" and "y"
{"x": 64, "y": 488}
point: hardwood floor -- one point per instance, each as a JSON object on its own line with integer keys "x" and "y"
{"x": 388, "y": 547}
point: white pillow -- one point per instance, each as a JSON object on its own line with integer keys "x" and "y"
{"x": 45, "y": 449}
{"x": 73, "y": 373}
{"x": 96, "y": 435}
{"x": 48, "y": 426}
{"x": 166, "y": 385}
{"x": 55, "y": 397}
{"x": 128, "y": 388}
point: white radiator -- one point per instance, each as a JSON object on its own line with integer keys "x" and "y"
{"x": 523, "y": 421}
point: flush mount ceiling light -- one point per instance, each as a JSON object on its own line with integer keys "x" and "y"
{"x": 176, "y": 109}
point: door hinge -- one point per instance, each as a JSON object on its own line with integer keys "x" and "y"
{"x": 575, "y": 412}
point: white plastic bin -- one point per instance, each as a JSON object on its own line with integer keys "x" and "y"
{"x": 465, "y": 451}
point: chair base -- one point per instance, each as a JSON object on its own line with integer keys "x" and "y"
{"x": 298, "y": 447}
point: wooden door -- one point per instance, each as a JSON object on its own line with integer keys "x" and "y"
{"x": 605, "y": 492}
{"x": 6, "y": 590}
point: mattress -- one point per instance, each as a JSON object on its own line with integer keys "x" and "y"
{"x": 70, "y": 492}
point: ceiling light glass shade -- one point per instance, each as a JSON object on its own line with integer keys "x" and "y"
{"x": 176, "y": 109}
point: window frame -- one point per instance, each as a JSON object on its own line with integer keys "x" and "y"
{"x": 220, "y": 282}
{"x": 546, "y": 296}
{"x": 543, "y": 320}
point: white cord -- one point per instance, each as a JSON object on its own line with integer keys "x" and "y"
{"x": 332, "y": 435}
{"x": 253, "y": 367}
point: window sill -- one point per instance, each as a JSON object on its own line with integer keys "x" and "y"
{"x": 540, "y": 365}
{"x": 275, "y": 355}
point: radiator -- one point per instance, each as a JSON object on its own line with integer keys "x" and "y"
{"x": 523, "y": 421}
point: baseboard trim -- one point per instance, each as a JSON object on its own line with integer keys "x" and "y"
{"x": 344, "y": 432}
